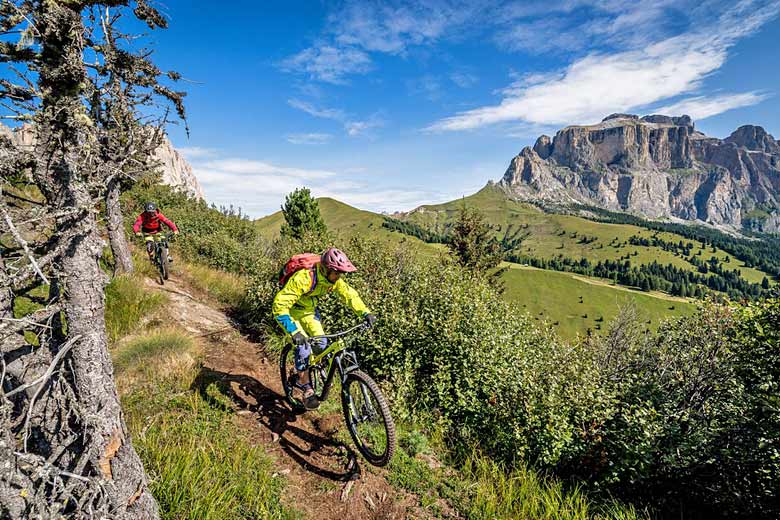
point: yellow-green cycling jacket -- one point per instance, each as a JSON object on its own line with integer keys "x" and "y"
{"x": 297, "y": 300}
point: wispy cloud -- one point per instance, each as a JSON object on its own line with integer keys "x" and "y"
{"x": 356, "y": 128}
{"x": 312, "y": 110}
{"x": 464, "y": 79}
{"x": 602, "y": 83}
{"x": 196, "y": 152}
{"x": 328, "y": 63}
{"x": 353, "y": 127}
{"x": 428, "y": 86}
{"x": 358, "y": 28}
{"x": 701, "y": 107}
{"x": 310, "y": 138}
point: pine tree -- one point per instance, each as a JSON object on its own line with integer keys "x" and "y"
{"x": 765, "y": 283}
{"x": 301, "y": 215}
{"x": 472, "y": 244}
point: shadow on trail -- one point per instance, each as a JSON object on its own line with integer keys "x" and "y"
{"x": 308, "y": 449}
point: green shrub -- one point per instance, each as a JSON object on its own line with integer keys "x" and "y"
{"x": 695, "y": 422}
{"x": 223, "y": 239}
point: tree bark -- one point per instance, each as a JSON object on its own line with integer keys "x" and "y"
{"x": 66, "y": 176}
{"x": 123, "y": 262}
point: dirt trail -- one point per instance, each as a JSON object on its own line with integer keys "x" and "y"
{"x": 326, "y": 479}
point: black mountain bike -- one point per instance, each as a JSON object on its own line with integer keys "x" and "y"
{"x": 161, "y": 257}
{"x": 365, "y": 409}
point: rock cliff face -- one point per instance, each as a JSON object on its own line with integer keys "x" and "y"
{"x": 175, "y": 170}
{"x": 656, "y": 166}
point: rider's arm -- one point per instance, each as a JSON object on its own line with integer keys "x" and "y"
{"x": 167, "y": 222}
{"x": 350, "y": 297}
{"x": 138, "y": 222}
{"x": 298, "y": 285}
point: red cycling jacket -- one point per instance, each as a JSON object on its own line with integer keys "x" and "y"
{"x": 150, "y": 223}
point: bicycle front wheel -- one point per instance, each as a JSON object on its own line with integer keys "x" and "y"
{"x": 368, "y": 418}
{"x": 164, "y": 262}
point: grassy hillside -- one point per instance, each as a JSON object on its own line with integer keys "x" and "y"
{"x": 572, "y": 304}
{"x": 550, "y": 235}
{"x": 344, "y": 218}
{"x": 547, "y": 295}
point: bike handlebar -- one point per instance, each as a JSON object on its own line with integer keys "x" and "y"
{"x": 361, "y": 325}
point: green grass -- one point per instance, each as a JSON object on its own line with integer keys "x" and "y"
{"x": 201, "y": 464}
{"x": 127, "y": 302}
{"x": 480, "y": 489}
{"x": 226, "y": 288}
{"x": 520, "y": 494}
{"x": 156, "y": 343}
{"x": 555, "y": 297}
{"x": 28, "y": 303}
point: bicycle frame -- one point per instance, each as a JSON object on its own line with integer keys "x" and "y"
{"x": 338, "y": 357}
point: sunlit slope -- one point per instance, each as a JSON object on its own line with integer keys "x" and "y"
{"x": 550, "y": 235}
{"x": 346, "y": 219}
{"x": 572, "y": 303}
{"x": 553, "y": 294}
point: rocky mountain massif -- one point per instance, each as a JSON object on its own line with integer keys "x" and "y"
{"x": 174, "y": 169}
{"x": 656, "y": 166}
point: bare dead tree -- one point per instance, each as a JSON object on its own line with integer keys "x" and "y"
{"x": 64, "y": 445}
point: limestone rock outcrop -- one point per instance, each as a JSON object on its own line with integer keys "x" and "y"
{"x": 175, "y": 171}
{"x": 657, "y": 166}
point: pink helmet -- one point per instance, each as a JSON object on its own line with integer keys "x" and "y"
{"x": 336, "y": 260}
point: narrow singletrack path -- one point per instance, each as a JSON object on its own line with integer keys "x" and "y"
{"x": 326, "y": 478}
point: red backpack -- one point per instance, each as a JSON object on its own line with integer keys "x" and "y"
{"x": 296, "y": 263}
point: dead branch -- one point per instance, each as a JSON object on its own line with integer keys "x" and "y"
{"x": 21, "y": 241}
{"x": 46, "y": 375}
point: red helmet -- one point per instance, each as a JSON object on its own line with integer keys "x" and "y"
{"x": 335, "y": 260}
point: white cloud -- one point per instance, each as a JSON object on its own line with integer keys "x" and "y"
{"x": 309, "y": 138}
{"x": 324, "y": 113}
{"x": 356, "y": 128}
{"x": 702, "y": 107}
{"x": 259, "y": 187}
{"x": 599, "y": 84}
{"x": 252, "y": 168}
{"x": 328, "y": 63}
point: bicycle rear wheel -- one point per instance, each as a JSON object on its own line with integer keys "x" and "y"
{"x": 368, "y": 418}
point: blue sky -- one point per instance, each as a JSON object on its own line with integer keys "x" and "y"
{"x": 388, "y": 105}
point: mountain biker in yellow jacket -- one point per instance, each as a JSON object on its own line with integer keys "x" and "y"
{"x": 295, "y": 309}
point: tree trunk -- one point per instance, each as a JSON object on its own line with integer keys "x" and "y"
{"x": 116, "y": 231}
{"x": 66, "y": 176}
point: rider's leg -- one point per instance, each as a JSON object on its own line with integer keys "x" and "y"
{"x": 311, "y": 325}
{"x": 149, "y": 239}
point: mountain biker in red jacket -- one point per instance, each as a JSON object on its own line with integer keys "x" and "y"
{"x": 149, "y": 222}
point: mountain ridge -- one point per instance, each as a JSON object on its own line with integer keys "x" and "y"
{"x": 656, "y": 166}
